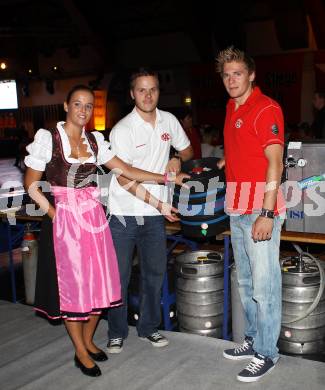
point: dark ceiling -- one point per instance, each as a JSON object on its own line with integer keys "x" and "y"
{"x": 30, "y": 28}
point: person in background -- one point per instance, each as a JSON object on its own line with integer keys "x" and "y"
{"x": 253, "y": 139}
{"x": 318, "y": 125}
{"x": 300, "y": 132}
{"x": 185, "y": 116}
{"x": 209, "y": 147}
{"x": 142, "y": 139}
{"x": 23, "y": 141}
{"x": 77, "y": 273}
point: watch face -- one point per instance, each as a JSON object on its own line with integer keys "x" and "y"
{"x": 301, "y": 162}
{"x": 267, "y": 213}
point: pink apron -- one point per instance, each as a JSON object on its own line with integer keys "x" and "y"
{"x": 87, "y": 268}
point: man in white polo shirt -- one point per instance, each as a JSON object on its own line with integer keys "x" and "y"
{"x": 142, "y": 139}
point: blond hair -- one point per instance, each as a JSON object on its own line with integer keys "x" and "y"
{"x": 232, "y": 54}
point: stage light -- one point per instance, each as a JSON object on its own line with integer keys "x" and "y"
{"x": 99, "y": 115}
{"x": 56, "y": 69}
{"x": 3, "y": 66}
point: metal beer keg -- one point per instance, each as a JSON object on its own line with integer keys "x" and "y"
{"x": 199, "y": 292}
{"x": 201, "y": 207}
{"x": 29, "y": 251}
{"x": 237, "y": 310}
{"x": 303, "y": 305}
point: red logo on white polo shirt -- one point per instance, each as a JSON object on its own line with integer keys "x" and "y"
{"x": 239, "y": 123}
{"x": 165, "y": 137}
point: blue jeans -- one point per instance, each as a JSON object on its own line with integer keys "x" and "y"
{"x": 259, "y": 279}
{"x": 150, "y": 240}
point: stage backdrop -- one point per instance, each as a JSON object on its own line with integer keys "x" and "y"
{"x": 319, "y": 61}
{"x": 279, "y": 76}
{"x": 208, "y": 95}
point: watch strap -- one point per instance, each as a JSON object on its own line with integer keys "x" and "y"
{"x": 267, "y": 213}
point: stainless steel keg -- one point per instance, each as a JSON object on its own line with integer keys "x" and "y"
{"x": 199, "y": 292}
{"x": 237, "y": 310}
{"x": 201, "y": 207}
{"x": 303, "y": 306}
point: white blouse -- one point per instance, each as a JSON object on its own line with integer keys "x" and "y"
{"x": 40, "y": 150}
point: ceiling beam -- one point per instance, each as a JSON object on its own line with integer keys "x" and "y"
{"x": 316, "y": 12}
{"x": 93, "y": 38}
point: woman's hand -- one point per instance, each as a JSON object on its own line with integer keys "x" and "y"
{"x": 33, "y": 187}
{"x": 51, "y": 213}
{"x": 179, "y": 179}
{"x": 168, "y": 211}
{"x": 174, "y": 165}
{"x": 171, "y": 177}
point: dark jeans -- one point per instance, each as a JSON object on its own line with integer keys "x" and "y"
{"x": 150, "y": 240}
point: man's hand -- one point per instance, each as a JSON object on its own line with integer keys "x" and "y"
{"x": 174, "y": 165}
{"x": 221, "y": 163}
{"x": 262, "y": 229}
{"x": 168, "y": 211}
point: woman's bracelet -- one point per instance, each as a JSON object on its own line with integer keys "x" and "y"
{"x": 169, "y": 177}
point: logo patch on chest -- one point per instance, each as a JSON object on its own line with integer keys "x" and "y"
{"x": 239, "y": 123}
{"x": 165, "y": 137}
{"x": 275, "y": 129}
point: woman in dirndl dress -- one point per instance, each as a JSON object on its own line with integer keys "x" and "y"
{"x": 77, "y": 272}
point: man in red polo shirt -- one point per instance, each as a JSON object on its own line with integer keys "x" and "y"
{"x": 254, "y": 138}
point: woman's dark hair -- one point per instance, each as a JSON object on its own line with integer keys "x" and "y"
{"x": 76, "y": 88}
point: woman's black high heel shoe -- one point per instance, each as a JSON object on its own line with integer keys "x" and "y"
{"x": 93, "y": 371}
{"x": 98, "y": 356}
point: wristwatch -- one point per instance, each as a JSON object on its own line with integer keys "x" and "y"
{"x": 176, "y": 156}
{"x": 267, "y": 213}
